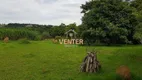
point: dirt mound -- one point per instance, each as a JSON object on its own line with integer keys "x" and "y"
{"x": 124, "y": 72}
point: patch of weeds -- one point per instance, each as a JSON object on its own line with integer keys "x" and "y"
{"x": 30, "y": 55}
{"x": 24, "y": 41}
{"x": 135, "y": 57}
{"x": 44, "y": 71}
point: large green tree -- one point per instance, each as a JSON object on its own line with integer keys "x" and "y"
{"x": 108, "y": 21}
{"x": 137, "y": 4}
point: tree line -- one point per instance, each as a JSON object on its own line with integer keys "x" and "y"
{"x": 17, "y": 31}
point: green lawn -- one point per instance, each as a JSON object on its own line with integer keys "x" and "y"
{"x": 43, "y": 60}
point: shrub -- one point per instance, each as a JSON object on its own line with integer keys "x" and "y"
{"x": 45, "y": 35}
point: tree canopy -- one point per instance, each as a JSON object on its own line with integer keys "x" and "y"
{"x": 109, "y": 21}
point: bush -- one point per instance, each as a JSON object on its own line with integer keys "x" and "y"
{"x": 45, "y": 35}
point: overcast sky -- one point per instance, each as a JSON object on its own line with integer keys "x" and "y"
{"x": 52, "y": 12}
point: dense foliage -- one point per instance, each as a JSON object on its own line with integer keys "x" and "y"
{"x": 138, "y": 13}
{"x": 109, "y": 21}
{"x": 15, "y": 34}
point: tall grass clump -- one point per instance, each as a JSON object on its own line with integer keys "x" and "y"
{"x": 15, "y": 34}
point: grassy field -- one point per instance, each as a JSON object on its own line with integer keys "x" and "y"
{"x": 43, "y": 60}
